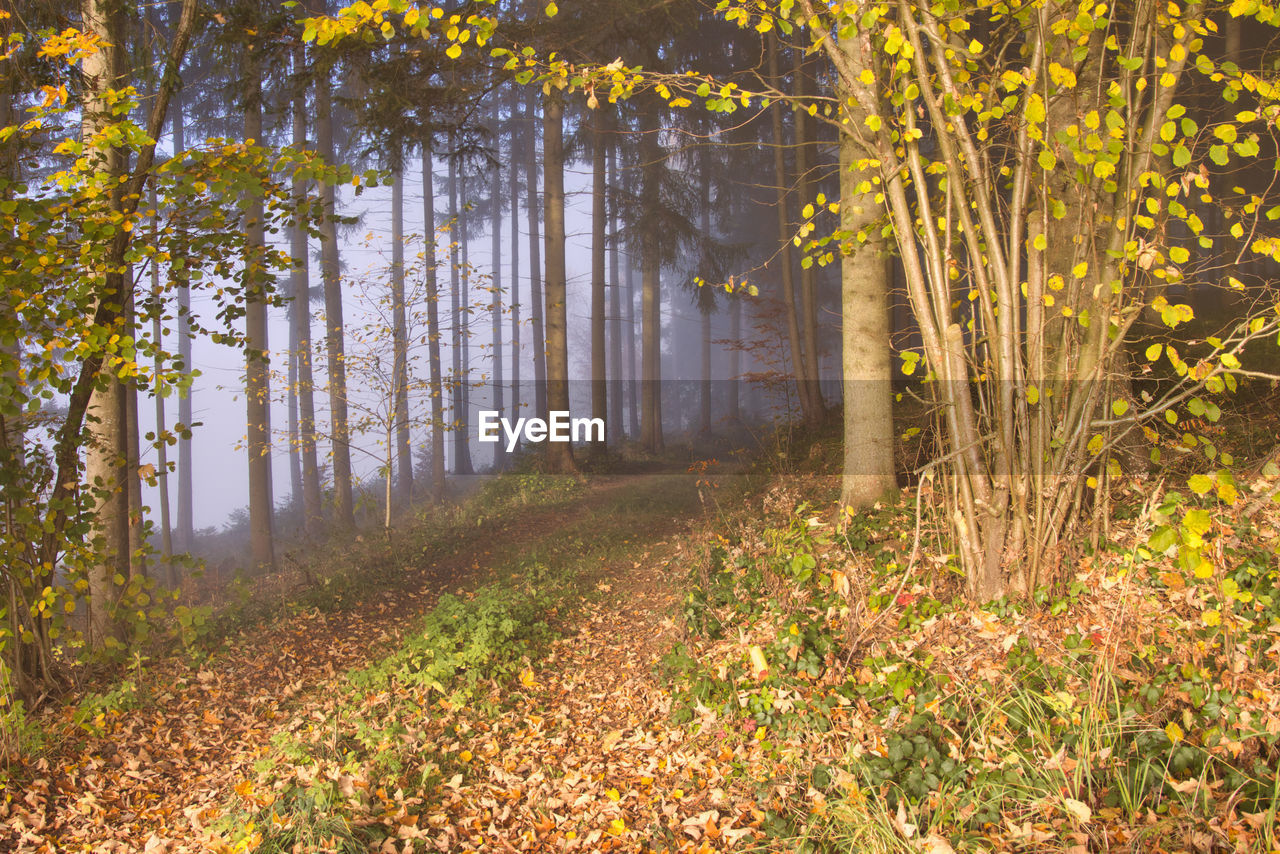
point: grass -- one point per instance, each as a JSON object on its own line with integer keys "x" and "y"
{"x": 388, "y": 726}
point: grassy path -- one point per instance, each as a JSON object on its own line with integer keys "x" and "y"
{"x": 154, "y": 777}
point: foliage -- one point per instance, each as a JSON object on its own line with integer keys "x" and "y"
{"x": 1130, "y": 708}
{"x": 65, "y": 234}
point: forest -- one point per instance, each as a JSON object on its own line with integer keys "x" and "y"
{"x": 642, "y": 425}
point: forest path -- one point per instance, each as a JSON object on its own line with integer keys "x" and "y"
{"x": 152, "y": 776}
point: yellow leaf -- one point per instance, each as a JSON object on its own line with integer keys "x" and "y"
{"x": 612, "y": 794}
{"x": 1211, "y": 618}
{"x": 759, "y": 665}
{"x": 526, "y": 678}
{"x": 1079, "y": 809}
{"x": 465, "y": 756}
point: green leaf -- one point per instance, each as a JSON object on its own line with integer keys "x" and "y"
{"x": 1181, "y": 156}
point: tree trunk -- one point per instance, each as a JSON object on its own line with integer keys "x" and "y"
{"x": 161, "y": 420}
{"x": 810, "y": 389}
{"x": 257, "y": 388}
{"x": 617, "y": 427}
{"x": 457, "y": 273}
{"x": 435, "y": 380}
{"x": 186, "y": 508}
{"x": 599, "y": 386}
{"x": 559, "y": 454}
{"x": 866, "y": 355}
{"x": 335, "y": 342}
{"x": 312, "y": 501}
{"x": 705, "y": 298}
{"x": 495, "y": 305}
{"x": 514, "y": 193}
{"x": 107, "y": 413}
{"x": 535, "y": 265}
{"x": 784, "y": 238}
{"x": 400, "y": 340}
{"x": 735, "y": 357}
{"x": 629, "y": 330}
{"x": 650, "y": 279}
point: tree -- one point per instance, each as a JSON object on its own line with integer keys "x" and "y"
{"x": 331, "y": 269}
{"x": 559, "y": 454}
{"x": 1029, "y": 369}
{"x": 257, "y": 365}
{"x": 599, "y": 223}
{"x": 300, "y": 318}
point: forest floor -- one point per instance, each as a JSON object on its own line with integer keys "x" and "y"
{"x": 689, "y": 661}
{"x": 577, "y": 753}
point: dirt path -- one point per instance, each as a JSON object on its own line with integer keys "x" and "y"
{"x": 587, "y": 760}
{"x": 590, "y": 724}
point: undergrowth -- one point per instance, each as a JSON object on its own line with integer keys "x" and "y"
{"x": 1136, "y": 707}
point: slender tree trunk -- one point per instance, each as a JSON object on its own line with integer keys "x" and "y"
{"x": 458, "y": 306}
{"x": 629, "y": 329}
{"x": 514, "y": 193}
{"x": 257, "y": 388}
{"x": 312, "y": 500}
{"x": 133, "y": 457}
{"x": 810, "y": 389}
{"x": 559, "y": 454}
{"x": 735, "y": 358}
{"x": 464, "y": 217}
{"x": 162, "y": 424}
{"x": 616, "y": 424}
{"x": 535, "y": 265}
{"x": 435, "y": 380}
{"x": 706, "y": 301}
{"x": 495, "y": 305}
{"x": 335, "y": 343}
{"x": 291, "y": 409}
{"x": 186, "y": 507}
{"x": 599, "y": 222}
{"x": 107, "y": 413}
{"x": 400, "y": 340}
{"x": 650, "y": 278}
{"x": 784, "y": 237}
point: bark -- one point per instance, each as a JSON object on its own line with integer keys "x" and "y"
{"x": 735, "y": 358}
{"x": 495, "y": 304}
{"x": 599, "y": 386}
{"x": 805, "y": 149}
{"x": 629, "y": 330}
{"x": 457, "y": 266}
{"x": 539, "y": 342}
{"x": 867, "y": 473}
{"x": 257, "y": 364}
{"x": 559, "y": 454}
{"x": 435, "y": 380}
{"x": 185, "y": 538}
{"x": 705, "y": 301}
{"x": 335, "y": 343}
{"x": 107, "y": 412}
{"x": 312, "y": 502}
{"x": 786, "y": 260}
{"x": 400, "y": 341}
{"x": 133, "y": 464}
{"x": 616, "y": 424}
{"x": 514, "y": 193}
{"x": 650, "y": 278}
